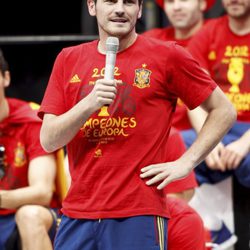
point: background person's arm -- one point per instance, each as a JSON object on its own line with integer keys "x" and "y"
{"x": 41, "y": 177}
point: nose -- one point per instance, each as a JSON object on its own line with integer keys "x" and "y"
{"x": 119, "y": 7}
{"x": 176, "y": 4}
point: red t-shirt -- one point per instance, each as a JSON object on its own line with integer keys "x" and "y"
{"x": 166, "y": 34}
{"x": 19, "y": 134}
{"x": 107, "y": 154}
{"x": 227, "y": 58}
{"x": 174, "y": 149}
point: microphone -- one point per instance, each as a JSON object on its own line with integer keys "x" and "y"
{"x": 112, "y": 45}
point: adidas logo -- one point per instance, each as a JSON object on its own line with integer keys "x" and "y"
{"x": 75, "y": 79}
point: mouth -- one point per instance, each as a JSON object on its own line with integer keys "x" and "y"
{"x": 178, "y": 17}
{"x": 118, "y": 20}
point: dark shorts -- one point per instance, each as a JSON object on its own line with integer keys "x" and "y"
{"x": 9, "y": 235}
{"x": 206, "y": 175}
{"x": 132, "y": 233}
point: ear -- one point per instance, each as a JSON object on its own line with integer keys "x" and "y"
{"x": 91, "y": 7}
{"x": 140, "y": 11}
{"x": 6, "y": 79}
{"x": 203, "y": 5}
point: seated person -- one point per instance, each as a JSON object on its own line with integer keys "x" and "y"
{"x": 27, "y": 175}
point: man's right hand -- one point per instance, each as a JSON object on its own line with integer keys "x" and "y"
{"x": 103, "y": 93}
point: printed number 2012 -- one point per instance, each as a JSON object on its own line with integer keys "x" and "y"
{"x": 98, "y": 73}
{"x": 237, "y": 51}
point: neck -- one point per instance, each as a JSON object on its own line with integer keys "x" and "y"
{"x": 124, "y": 42}
{"x": 4, "y": 109}
{"x": 182, "y": 34}
{"x": 239, "y": 26}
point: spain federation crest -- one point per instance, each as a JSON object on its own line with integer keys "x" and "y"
{"x": 20, "y": 156}
{"x": 142, "y": 77}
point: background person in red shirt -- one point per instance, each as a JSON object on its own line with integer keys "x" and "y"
{"x": 185, "y": 228}
{"x": 222, "y": 49}
{"x": 186, "y": 18}
{"x": 27, "y": 175}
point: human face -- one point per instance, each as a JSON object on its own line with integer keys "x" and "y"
{"x": 237, "y": 8}
{"x": 115, "y": 17}
{"x": 184, "y": 14}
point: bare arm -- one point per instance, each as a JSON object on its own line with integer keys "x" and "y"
{"x": 57, "y": 131}
{"x": 221, "y": 116}
{"x": 41, "y": 176}
{"x": 214, "y": 161}
{"x": 197, "y": 118}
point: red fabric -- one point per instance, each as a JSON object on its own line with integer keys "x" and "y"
{"x": 180, "y": 119}
{"x": 210, "y": 4}
{"x": 19, "y": 133}
{"x": 166, "y": 34}
{"x": 227, "y": 58}
{"x": 185, "y": 227}
{"x": 105, "y": 158}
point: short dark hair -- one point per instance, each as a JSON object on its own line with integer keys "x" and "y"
{"x": 3, "y": 63}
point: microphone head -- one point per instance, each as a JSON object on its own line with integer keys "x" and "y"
{"x": 112, "y": 44}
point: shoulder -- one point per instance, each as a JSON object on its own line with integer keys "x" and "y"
{"x": 164, "y": 51}
{"x": 214, "y": 23}
{"x": 160, "y": 33}
{"x": 22, "y": 111}
{"x": 15, "y": 103}
{"x": 157, "y": 43}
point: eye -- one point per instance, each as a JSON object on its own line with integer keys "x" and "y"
{"x": 130, "y": 2}
{"x": 110, "y": 1}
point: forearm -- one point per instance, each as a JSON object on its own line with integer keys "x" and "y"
{"x": 13, "y": 199}
{"x": 216, "y": 125}
{"x": 57, "y": 131}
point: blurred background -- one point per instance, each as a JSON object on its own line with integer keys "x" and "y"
{"x": 33, "y": 32}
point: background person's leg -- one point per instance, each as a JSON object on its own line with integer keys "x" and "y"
{"x": 33, "y": 223}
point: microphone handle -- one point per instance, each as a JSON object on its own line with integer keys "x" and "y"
{"x": 109, "y": 67}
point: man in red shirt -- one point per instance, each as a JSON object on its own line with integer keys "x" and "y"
{"x": 117, "y": 159}
{"x": 186, "y": 18}
{"x": 27, "y": 175}
{"x": 222, "y": 49}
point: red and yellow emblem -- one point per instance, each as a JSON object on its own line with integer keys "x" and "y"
{"x": 98, "y": 153}
{"x": 142, "y": 77}
{"x": 20, "y": 156}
